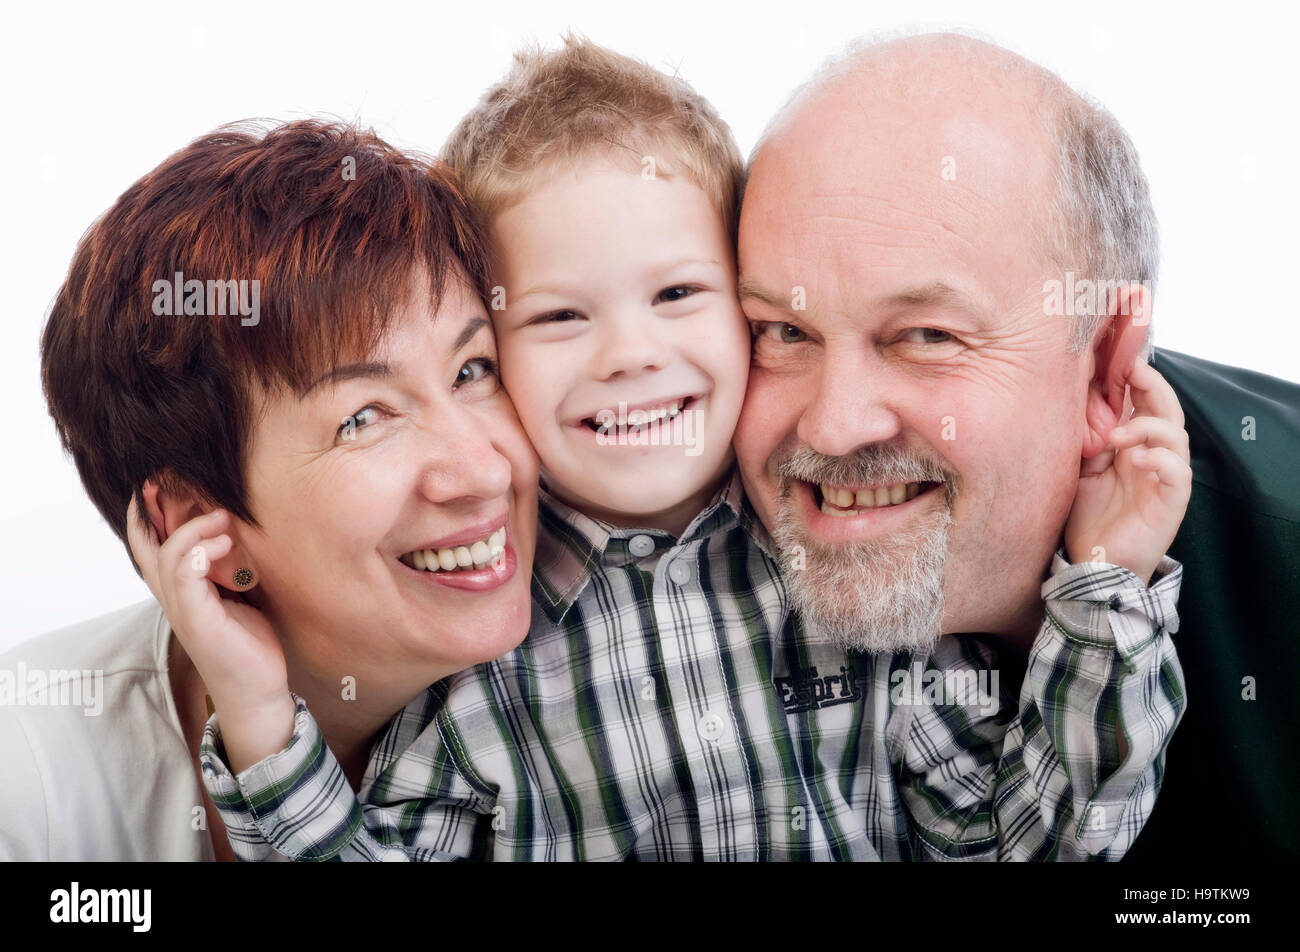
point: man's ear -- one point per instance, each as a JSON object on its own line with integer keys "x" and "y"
{"x": 1118, "y": 343}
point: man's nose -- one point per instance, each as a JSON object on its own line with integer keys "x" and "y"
{"x": 463, "y": 461}
{"x": 630, "y": 343}
{"x": 851, "y": 406}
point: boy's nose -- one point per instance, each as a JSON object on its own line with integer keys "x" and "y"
{"x": 629, "y": 348}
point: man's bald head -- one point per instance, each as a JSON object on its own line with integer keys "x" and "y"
{"x": 1093, "y": 211}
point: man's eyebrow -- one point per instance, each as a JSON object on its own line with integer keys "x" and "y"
{"x": 350, "y": 372}
{"x": 746, "y": 288}
{"x": 472, "y": 327}
{"x": 924, "y": 295}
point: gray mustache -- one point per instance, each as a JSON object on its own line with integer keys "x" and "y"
{"x": 871, "y": 464}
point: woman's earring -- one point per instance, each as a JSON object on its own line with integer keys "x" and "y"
{"x": 243, "y": 577}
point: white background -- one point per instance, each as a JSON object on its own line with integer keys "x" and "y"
{"x": 99, "y": 95}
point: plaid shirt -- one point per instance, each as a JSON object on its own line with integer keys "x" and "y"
{"x": 667, "y": 706}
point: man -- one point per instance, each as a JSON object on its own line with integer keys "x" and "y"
{"x": 949, "y": 256}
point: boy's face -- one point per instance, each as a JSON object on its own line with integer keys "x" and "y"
{"x": 622, "y": 343}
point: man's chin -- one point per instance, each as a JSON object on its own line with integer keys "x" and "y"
{"x": 878, "y": 597}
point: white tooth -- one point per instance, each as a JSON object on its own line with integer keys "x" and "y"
{"x": 845, "y": 498}
{"x": 446, "y": 559}
{"x": 913, "y": 489}
{"x": 480, "y": 553}
{"x": 417, "y": 559}
{"x": 865, "y": 497}
{"x": 497, "y": 539}
{"x": 463, "y": 558}
{"x": 897, "y": 493}
{"x": 882, "y": 496}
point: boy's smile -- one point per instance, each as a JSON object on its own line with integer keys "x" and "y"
{"x": 622, "y": 343}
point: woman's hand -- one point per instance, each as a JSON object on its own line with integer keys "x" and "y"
{"x": 1132, "y": 498}
{"x": 231, "y": 644}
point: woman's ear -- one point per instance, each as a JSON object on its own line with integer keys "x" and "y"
{"x": 167, "y": 509}
{"x": 169, "y": 506}
{"x": 1118, "y": 344}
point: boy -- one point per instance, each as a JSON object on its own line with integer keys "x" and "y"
{"x": 666, "y": 703}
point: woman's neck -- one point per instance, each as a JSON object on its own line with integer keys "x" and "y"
{"x": 352, "y": 709}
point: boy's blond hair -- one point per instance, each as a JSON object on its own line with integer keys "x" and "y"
{"x": 582, "y": 100}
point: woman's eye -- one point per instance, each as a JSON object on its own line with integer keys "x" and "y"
{"x": 927, "y": 335}
{"x": 362, "y": 418}
{"x": 676, "y": 293}
{"x": 558, "y": 317}
{"x": 474, "y": 370}
{"x": 779, "y": 332}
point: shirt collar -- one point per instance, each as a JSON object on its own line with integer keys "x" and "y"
{"x": 571, "y": 544}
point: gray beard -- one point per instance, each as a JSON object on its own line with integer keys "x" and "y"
{"x": 884, "y": 596}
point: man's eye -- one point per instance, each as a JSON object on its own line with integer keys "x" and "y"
{"x": 474, "y": 370}
{"x": 676, "y": 293}
{"x": 778, "y": 332}
{"x": 927, "y": 335}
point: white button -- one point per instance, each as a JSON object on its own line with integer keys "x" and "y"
{"x": 679, "y": 572}
{"x": 712, "y": 727}
{"x": 641, "y": 545}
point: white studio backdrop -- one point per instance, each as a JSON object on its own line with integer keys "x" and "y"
{"x": 100, "y": 94}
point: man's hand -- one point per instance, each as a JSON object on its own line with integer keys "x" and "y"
{"x": 1133, "y": 496}
{"x": 231, "y": 644}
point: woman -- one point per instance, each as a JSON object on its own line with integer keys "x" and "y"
{"x": 278, "y": 336}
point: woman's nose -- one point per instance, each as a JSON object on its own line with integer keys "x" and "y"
{"x": 464, "y": 461}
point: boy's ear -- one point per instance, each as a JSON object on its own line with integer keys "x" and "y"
{"x": 1117, "y": 345}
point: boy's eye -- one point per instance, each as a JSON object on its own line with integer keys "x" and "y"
{"x": 778, "y": 332}
{"x": 677, "y": 293}
{"x": 474, "y": 370}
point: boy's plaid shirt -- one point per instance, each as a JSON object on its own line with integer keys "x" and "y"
{"x": 667, "y": 706}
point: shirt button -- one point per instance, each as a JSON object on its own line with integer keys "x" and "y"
{"x": 641, "y": 545}
{"x": 712, "y": 727}
{"x": 679, "y": 572}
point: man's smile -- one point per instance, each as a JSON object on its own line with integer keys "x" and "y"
{"x": 848, "y": 514}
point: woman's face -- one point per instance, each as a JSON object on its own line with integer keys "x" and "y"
{"x": 417, "y": 448}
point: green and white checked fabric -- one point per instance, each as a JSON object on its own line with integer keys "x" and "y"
{"x": 667, "y": 706}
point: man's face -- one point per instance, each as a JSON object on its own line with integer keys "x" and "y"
{"x": 890, "y": 271}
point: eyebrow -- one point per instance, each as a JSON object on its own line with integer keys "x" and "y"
{"x": 378, "y": 369}
{"x": 471, "y": 328}
{"x": 927, "y": 295}
{"x": 936, "y": 293}
{"x": 746, "y": 288}
{"x": 350, "y": 372}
